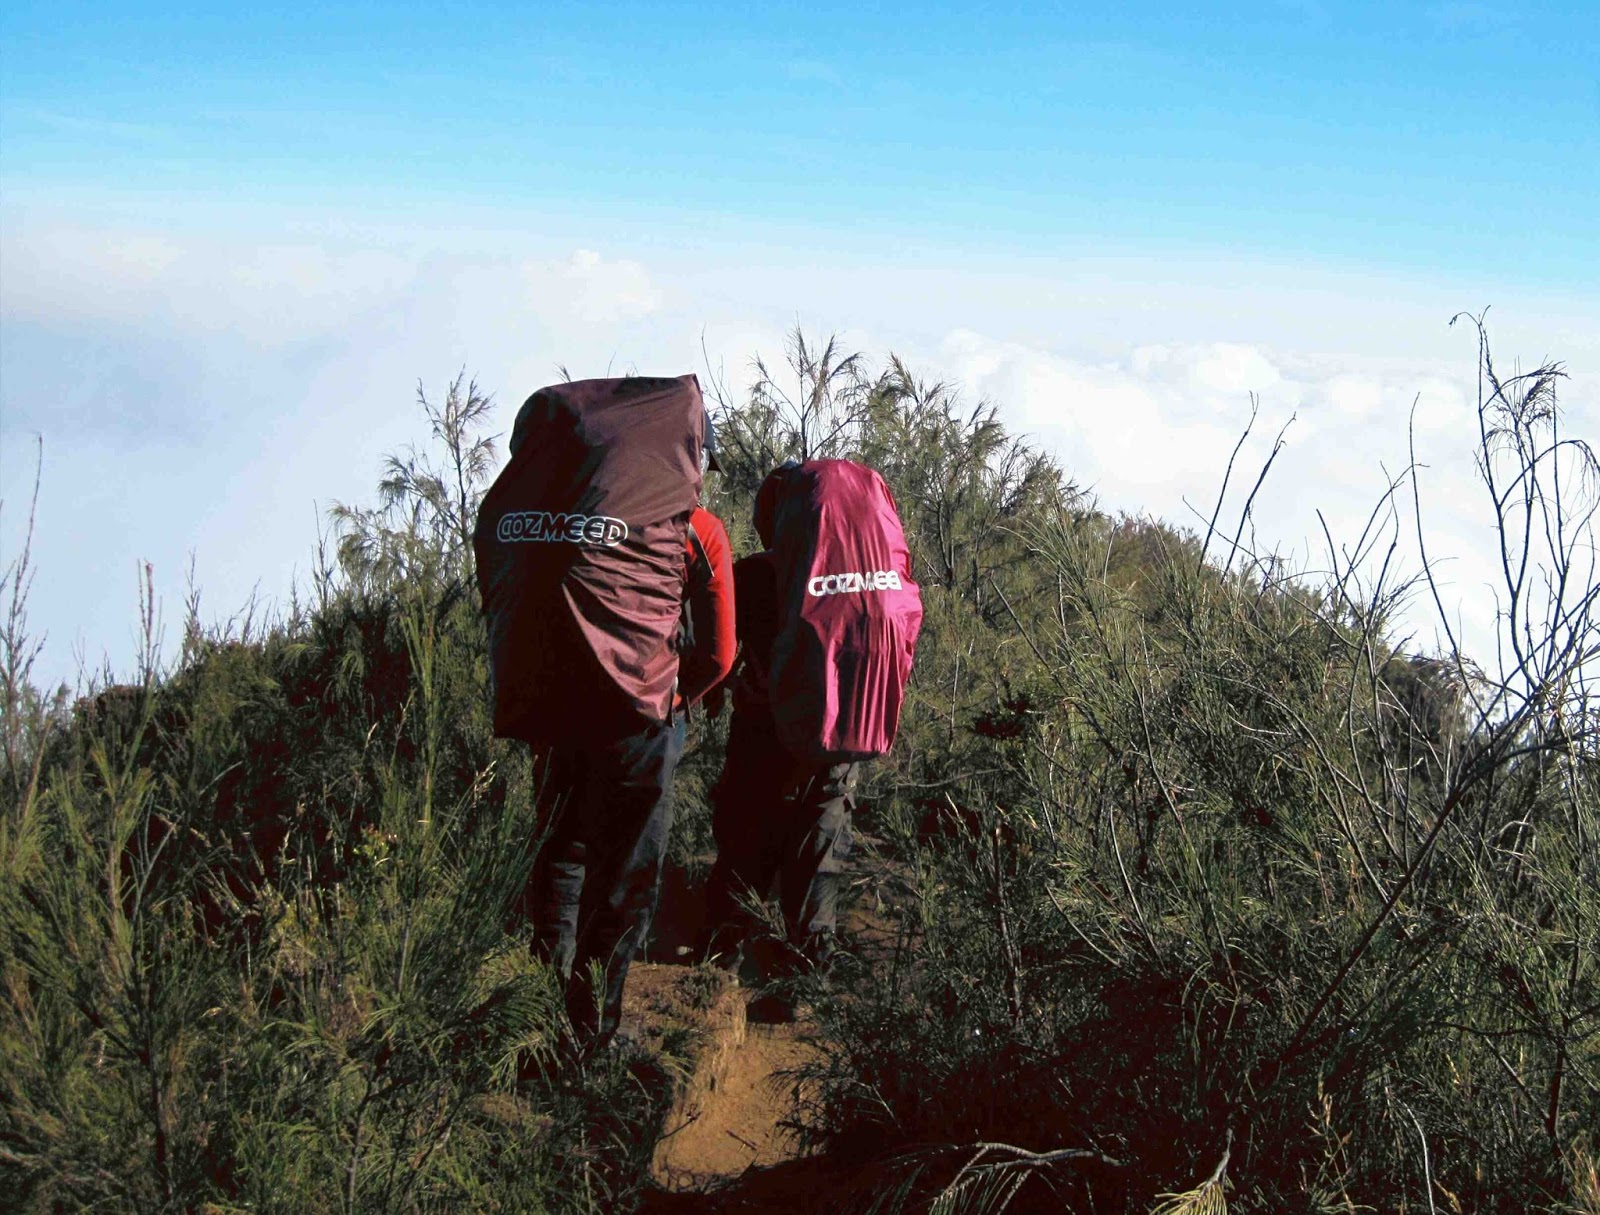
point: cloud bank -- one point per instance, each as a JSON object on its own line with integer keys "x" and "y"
{"x": 208, "y": 395}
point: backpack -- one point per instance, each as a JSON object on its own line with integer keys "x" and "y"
{"x": 580, "y": 553}
{"x": 849, "y": 612}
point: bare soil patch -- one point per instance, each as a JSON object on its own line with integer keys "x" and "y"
{"x": 739, "y": 1095}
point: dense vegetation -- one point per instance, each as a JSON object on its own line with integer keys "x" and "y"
{"x": 1192, "y": 889}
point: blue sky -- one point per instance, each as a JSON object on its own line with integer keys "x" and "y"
{"x": 1418, "y": 135}
{"x": 233, "y": 239}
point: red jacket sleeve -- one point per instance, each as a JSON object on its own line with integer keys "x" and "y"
{"x": 711, "y": 612}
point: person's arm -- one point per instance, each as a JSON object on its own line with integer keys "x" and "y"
{"x": 711, "y": 612}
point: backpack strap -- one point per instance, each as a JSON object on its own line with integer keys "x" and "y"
{"x": 697, "y": 578}
{"x": 700, "y": 567}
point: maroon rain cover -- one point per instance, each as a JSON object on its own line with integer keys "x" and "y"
{"x": 850, "y": 612}
{"x": 579, "y": 544}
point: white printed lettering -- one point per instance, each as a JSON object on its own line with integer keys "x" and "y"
{"x": 545, "y": 527}
{"x": 854, "y": 582}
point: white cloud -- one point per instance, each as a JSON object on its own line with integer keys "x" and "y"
{"x": 276, "y": 293}
{"x": 1152, "y": 423}
{"x": 270, "y": 294}
{"x": 1355, "y": 397}
{"x": 195, "y": 389}
{"x": 592, "y": 289}
{"x": 280, "y": 292}
{"x": 1151, "y": 433}
{"x": 1212, "y": 370}
{"x": 195, "y": 392}
{"x": 1443, "y": 405}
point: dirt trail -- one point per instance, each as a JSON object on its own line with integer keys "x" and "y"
{"x": 730, "y": 1143}
{"x": 730, "y": 1146}
{"x": 737, "y": 1120}
{"x": 736, "y": 1108}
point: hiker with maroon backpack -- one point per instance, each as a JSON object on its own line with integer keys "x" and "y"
{"x": 828, "y": 622}
{"x": 608, "y": 594}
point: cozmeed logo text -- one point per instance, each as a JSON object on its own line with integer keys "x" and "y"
{"x": 854, "y": 584}
{"x": 546, "y": 527}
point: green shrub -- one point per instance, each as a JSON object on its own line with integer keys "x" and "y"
{"x": 1196, "y": 868}
{"x": 1189, "y": 887}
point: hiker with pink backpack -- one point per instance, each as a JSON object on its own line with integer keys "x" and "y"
{"x": 608, "y": 593}
{"x": 828, "y": 623}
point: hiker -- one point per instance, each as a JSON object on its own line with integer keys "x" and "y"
{"x": 828, "y": 622}
{"x": 609, "y": 596}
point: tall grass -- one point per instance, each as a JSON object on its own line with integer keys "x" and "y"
{"x": 1191, "y": 890}
{"x": 256, "y": 925}
{"x": 1257, "y": 911}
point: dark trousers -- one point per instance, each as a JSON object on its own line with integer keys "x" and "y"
{"x": 595, "y": 884}
{"x": 773, "y": 817}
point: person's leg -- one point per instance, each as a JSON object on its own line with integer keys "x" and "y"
{"x": 817, "y": 845}
{"x": 556, "y": 884}
{"x": 745, "y": 805}
{"x": 629, "y": 797}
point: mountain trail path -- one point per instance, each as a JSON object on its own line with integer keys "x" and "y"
{"x": 734, "y": 1140}
{"x": 740, "y": 1101}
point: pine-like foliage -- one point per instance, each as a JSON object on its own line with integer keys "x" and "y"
{"x": 1194, "y": 892}
{"x": 1184, "y": 889}
{"x": 257, "y": 926}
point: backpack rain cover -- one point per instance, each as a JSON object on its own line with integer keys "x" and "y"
{"x": 849, "y": 612}
{"x": 580, "y": 554}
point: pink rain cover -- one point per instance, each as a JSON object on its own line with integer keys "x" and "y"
{"x": 850, "y": 612}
